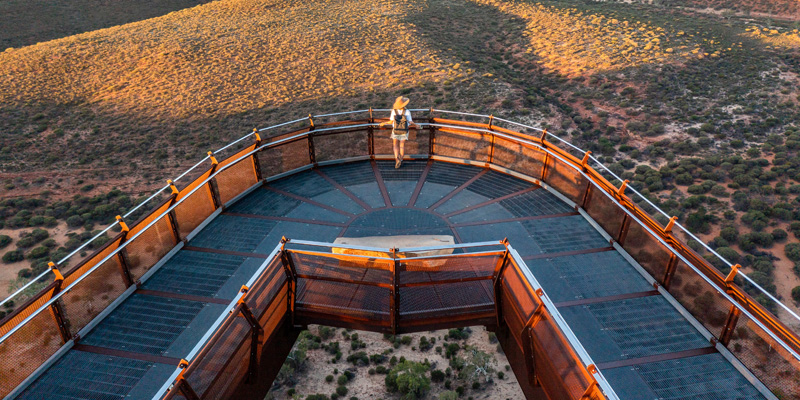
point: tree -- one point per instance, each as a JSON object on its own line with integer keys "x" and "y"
{"x": 5, "y": 240}
{"x": 478, "y": 364}
{"x": 410, "y": 379}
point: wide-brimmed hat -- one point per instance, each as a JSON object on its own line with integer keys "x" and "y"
{"x": 400, "y": 102}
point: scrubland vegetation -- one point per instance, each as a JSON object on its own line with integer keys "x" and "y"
{"x": 699, "y": 110}
{"x": 444, "y": 364}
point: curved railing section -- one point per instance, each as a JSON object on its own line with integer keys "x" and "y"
{"x": 230, "y": 350}
{"x": 59, "y": 312}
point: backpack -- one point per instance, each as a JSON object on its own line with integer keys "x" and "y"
{"x": 400, "y": 123}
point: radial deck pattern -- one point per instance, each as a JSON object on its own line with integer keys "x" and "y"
{"x": 645, "y": 347}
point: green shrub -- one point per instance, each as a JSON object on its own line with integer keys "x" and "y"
{"x": 341, "y": 390}
{"x": 409, "y": 378}
{"x": 74, "y": 221}
{"x": 5, "y": 240}
{"x": 342, "y": 380}
{"x": 437, "y": 376}
{"x": 329, "y": 378}
{"x": 796, "y": 294}
{"x": 39, "y": 252}
{"x": 793, "y": 251}
{"x": 13, "y": 256}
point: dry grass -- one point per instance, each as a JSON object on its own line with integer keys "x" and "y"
{"x": 224, "y": 58}
{"x": 576, "y": 42}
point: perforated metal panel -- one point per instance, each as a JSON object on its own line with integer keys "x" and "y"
{"x": 585, "y": 276}
{"x": 554, "y": 235}
{"x": 144, "y": 324}
{"x": 195, "y": 273}
{"x": 625, "y": 329}
{"x": 82, "y": 375}
{"x": 707, "y": 377}
{"x": 227, "y": 232}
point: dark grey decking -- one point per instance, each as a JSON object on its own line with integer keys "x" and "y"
{"x": 153, "y": 329}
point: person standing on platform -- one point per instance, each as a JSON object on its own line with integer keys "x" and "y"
{"x": 400, "y": 118}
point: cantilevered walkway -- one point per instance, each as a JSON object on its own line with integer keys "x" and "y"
{"x": 645, "y": 344}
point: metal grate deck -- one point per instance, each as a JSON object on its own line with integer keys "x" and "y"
{"x": 570, "y": 258}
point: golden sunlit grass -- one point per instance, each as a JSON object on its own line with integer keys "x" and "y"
{"x": 775, "y": 38}
{"x": 578, "y": 42}
{"x": 226, "y": 57}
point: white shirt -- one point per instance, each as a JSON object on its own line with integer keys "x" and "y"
{"x": 408, "y": 116}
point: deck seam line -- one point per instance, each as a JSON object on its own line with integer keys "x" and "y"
{"x": 226, "y": 252}
{"x": 420, "y": 184}
{"x": 492, "y": 201}
{"x": 519, "y": 219}
{"x": 344, "y": 190}
{"x": 307, "y": 200}
{"x": 126, "y": 354}
{"x": 603, "y": 299}
{"x": 285, "y": 219}
{"x": 181, "y": 296}
{"x": 568, "y": 253}
{"x": 658, "y": 357}
{"x": 458, "y": 189}
{"x": 381, "y": 185}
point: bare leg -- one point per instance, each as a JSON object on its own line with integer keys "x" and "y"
{"x": 402, "y": 150}
{"x": 396, "y": 147}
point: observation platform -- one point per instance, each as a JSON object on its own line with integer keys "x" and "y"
{"x": 641, "y": 339}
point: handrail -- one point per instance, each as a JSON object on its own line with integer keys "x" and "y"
{"x": 572, "y": 339}
{"x": 735, "y": 303}
{"x": 576, "y": 344}
{"x": 786, "y": 308}
{"x": 598, "y": 181}
{"x": 300, "y": 135}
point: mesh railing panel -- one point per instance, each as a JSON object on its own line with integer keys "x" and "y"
{"x": 432, "y": 270}
{"x": 265, "y": 288}
{"x": 556, "y": 366}
{"x": 446, "y": 300}
{"x": 517, "y": 302}
{"x": 28, "y": 348}
{"x": 89, "y": 297}
{"x": 464, "y": 145}
{"x": 702, "y": 300}
{"x": 24, "y": 312}
{"x": 341, "y": 145}
{"x": 517, "y": 157}
{"x": 283, "y": 158}
{"x": 81, "y": 268}
{"x": 222, "y": 360}
{"x": 647, "y": 251}
{"x": 346, "y": 300}
{"x": 565, "y": 179}
{"x": 605, "y": 212}
{"x": 343, "y": 267}
{"x": 777, "y": 369}
{"x": 418, "y": 142}
{"x": 147, "y": 249}
{"x": 236, "y": 178}
{"x": 276, "y": 311}
{"x": 193, "y": 210}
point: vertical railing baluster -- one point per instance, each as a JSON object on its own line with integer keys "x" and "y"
{"x": 122, "y": 255}
{"x": 171, "y": 218}
{"x": 56, "y": 308}
{"x": 256, "y": 163}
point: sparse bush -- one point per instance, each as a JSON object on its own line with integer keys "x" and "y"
{"x": 13, "y": 256}
{"x": 409, "y": 378}
{"x": 5, "y": 240}
{"x": 793, "y": 251}
{"x": 329, "y": 378}
{"x": 437, "y": 376}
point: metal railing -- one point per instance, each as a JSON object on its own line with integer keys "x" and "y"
{"x": 488, "y": 144}
{"x": 183, "y": 381}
